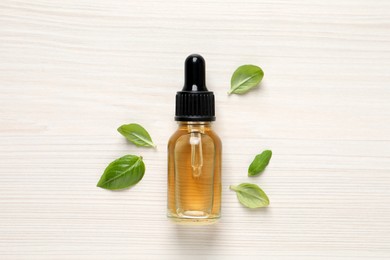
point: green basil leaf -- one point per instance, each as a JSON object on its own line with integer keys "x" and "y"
{"x": 250, "y": 195}
{"x": 122, "y": 173}
{"x": 259, "y": 163}
{"x": 136, "y": 134}
{"x": 245, "y": 78}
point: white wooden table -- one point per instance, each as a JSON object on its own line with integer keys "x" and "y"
{"x": 71, "y": 72}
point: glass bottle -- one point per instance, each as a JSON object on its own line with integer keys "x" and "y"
{"x": 194, "y": 152}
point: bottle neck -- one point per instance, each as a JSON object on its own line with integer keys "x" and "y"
{"x": 186, "y": 123}
{"x": 194, "y": 126}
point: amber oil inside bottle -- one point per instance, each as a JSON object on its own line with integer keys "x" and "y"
{"x": 194, "y": 173}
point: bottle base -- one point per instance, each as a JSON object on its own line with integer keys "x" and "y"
{"x": 195, "y": 218}
{"x": 194, "y": 221}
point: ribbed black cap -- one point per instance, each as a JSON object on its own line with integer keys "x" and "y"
{"x": 195, "y": 102}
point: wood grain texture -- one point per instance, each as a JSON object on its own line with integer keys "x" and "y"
{"x": 71, "y": 72}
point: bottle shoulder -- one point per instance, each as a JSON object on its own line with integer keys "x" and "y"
{"x": 176, "y": 135}
{"x": 215, "y": 137}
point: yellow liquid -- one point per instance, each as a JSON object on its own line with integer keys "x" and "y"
{"x": 194, "y": 173}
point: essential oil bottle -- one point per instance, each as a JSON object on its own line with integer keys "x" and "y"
{"x": 194, "y": 151}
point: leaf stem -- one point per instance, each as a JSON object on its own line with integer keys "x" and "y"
{"x": 233, "y": 187}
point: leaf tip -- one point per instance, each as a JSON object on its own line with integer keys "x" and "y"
{"x": 119, "y": 129}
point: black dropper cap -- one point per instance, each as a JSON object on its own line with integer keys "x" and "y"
{"x": 195, "y": 102}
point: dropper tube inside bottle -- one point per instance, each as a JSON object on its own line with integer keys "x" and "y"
{"x": 196, "y": 129}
